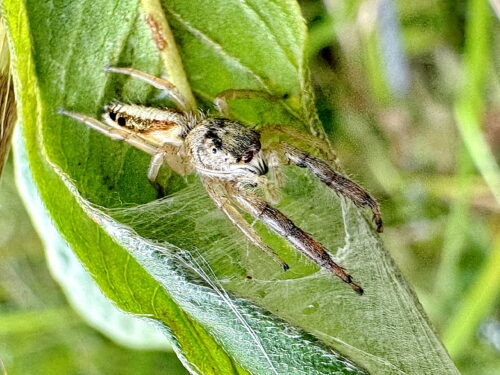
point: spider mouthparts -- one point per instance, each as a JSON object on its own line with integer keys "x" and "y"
{"x": 263, "y": 168}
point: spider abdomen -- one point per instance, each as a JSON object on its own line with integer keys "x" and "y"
{"x": 143, "y": 119}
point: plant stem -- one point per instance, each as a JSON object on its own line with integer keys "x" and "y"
{"x": 469, "y": 106}
{"x": 456, "y": 230}
{"x": 164, "y": 39}
{"x": 477, "y": 304}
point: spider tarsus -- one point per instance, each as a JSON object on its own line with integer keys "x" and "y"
{"x": 357, "y": 288}
{"x": 285, "y": 267}
{"x": 110, "y": 69}
{"x": 61, "y": 111}
{"x": 346, "y": 278}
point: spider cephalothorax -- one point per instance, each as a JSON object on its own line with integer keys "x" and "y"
{"x": 228, "y": 157}
{"x": 226, "y": 149}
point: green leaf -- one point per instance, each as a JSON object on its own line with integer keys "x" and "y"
{"x": 177, "y": 260}
{"x": 82, "y": 292}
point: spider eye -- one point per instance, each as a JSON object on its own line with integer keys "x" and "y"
{"x": 121, "y": 121}
{"x": 112, "y": 115}
{"x": 214, "y": 150}
{"x": 248, "y": 157}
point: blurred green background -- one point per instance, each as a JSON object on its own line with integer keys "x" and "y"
{"x": 407, "y": 91}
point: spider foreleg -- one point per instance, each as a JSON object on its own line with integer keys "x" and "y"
{"x": 335, "y": 181}
{"x": 284, "y": 227}
{"x": 214, "y": 190}
{"x": 275, "y": 134}
{"x": 159, "y": 83}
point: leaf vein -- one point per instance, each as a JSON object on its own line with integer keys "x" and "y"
{"x": 272, "y": 36}
{"x": 229, "y": 58}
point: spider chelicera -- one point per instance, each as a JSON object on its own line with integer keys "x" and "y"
{"x": 229, "y": 159}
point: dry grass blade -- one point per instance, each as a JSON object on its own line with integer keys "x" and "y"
{"x": 7, "y": 100}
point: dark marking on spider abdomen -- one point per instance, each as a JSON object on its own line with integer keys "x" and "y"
{"x": 140, "y": 125}
{"x": 150, "y": 126}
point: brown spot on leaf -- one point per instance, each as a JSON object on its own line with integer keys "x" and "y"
{"x": 158, "y": 36}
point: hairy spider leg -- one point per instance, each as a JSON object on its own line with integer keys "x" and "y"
{"x": 338, "y": 183}
{"x": 217, "y": 193}
{"x": 123, "y": 134}
{"x": 284, "y": 227}
{"x": 220, "y": 101}
{"x": 159, "y": 83}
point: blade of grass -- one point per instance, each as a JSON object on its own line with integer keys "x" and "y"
{"x": 469, "y": 107}
{"x": 33, "y": 321}
{"x": 477, "y": 304}
{"x": 456, "y": 230}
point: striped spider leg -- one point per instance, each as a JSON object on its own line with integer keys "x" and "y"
{"x": 229, "y": 158}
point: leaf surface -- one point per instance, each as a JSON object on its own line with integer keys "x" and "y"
{"x": 177, "y": 260}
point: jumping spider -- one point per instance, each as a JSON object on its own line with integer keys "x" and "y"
{"x": 229, "y": 158}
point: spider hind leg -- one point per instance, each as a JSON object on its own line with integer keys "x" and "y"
{"x": 285, "y": 228}
{"x": 217, "y": 193}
